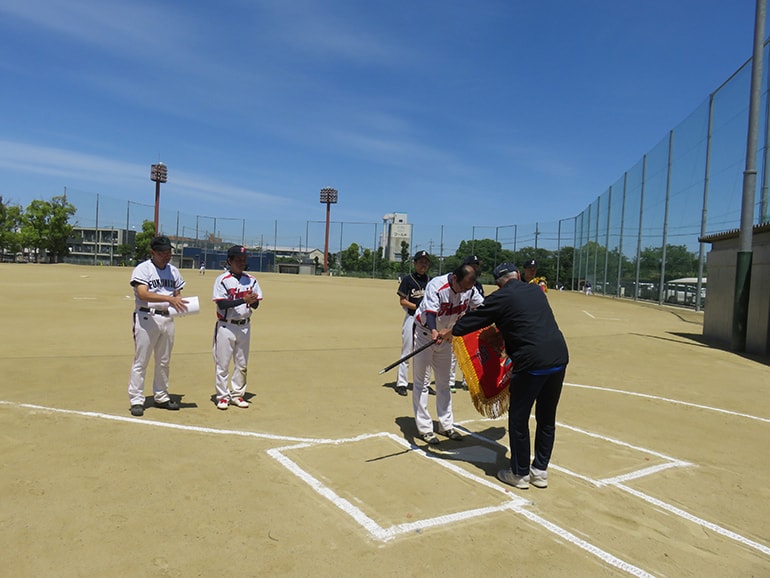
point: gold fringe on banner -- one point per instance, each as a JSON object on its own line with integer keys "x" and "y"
{"x": 487, "y": 370}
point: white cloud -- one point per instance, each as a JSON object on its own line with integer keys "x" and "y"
{"x": 72, "y": 166}
{"x": 124, "y": 27}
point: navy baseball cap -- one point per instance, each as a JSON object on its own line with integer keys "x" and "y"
{"x": 530, "y": 264}
{"x": 421, "y": 255}
{"x": 472, "y": 260}
{"x": 503, "y": 269}
{"x": 161, "y": 244}
{"x": 236, "y": 250}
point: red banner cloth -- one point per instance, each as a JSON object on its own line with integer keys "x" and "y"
{"x": 487, "y": 370}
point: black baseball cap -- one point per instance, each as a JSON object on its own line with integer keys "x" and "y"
{"x": 503, "y": 269}
{"x": 530, "y": 264}
{"x": 236, "y": 250}
{"x": 472, "y": 260}
{"x": 161, "y": 244}
{"x": 421, "y": 255}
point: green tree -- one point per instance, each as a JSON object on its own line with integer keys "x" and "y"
{"x": 59, "y": 228}
{"x": 404, "y": 253}
{"x": 125, "y": 252}
{"x": 367, "y": 261}
{"x": 546, "y": 262}
{"x": 34, "y": 227}
{"x": 680, "y": 262}
{"x": 566, "y": 264}
{"x": 350, "y": 258}
{"x": 489, "y": 252}
{"x": 45, "y": 226}
{"x": 143, "y": 240}
{"x": 382, "y": 266}
{"x": 11, "y": 218}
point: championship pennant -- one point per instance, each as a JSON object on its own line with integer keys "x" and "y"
{"x": 487, "y": 370}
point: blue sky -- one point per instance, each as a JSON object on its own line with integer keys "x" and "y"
{"x": 459, "y": 113}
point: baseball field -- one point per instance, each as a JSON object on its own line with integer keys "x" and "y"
{"x": 660, "y": 466}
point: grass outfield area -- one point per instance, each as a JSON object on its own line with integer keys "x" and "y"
{"x": 659, "y": 466}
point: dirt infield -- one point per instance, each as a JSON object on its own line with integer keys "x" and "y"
{"x": 660, "y": 466}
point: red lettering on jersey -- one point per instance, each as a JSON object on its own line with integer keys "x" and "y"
{"x": 235, "y": 293}
{"x": 446, "y": 309}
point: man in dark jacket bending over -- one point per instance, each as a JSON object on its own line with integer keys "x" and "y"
{"x": 539, "y": 353}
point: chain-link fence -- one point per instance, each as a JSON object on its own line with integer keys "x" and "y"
{"x": 637, "y": 239}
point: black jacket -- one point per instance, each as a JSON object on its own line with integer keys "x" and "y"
{"x": 521, "y": 312}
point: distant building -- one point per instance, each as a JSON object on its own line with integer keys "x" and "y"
{"x": 395, "y": 230}
{"x": 92, "y": 246}
{"x": 260, "y": 259}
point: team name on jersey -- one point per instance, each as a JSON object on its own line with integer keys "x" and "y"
{"x": 235, "y": 292}
{"x": 165, "y": 283}
{"x": 417, "y": 293}
{"x": 447, "y": 309}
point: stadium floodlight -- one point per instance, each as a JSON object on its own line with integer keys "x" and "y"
{"x": 328, "y": 196}
{"x": 158, "y": 174}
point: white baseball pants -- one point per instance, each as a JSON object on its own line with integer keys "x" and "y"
{"x": 231, "y": 343}
{"x": 153, "y": 336}
{"x": 407, "y": 346}
{"x": 438, "y": 357}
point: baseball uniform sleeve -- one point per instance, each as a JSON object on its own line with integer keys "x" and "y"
{"x": 255, "y": 288}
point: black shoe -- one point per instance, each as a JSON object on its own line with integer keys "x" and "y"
{"x": 430, "y": 438}
{"x": 452, "y": 434}
{"x": 170, "y": 404}
{"x": 431, "y": 391}
{"x": 137, "y": 410}
{"x": 401, "y": 390}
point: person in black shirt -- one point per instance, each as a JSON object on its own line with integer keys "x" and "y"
{"x": 539, "y": 354}
{"x": 410, "y": 293}
{"x": 475, "y": 262}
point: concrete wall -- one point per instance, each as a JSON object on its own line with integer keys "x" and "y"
{"x": 718, "y": 313}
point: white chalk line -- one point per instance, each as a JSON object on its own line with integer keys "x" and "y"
{"x": 669, "y": 400}
{"x": 621, "y": 443}
{"x": 588, "y": 547}
{"x": 601, "y": 318}
{"x": 163, "y": 424}
{"x": 695, "y": 520}
{"x": 307, "y": 442}
{"x": 379, "y": 533}
{"x": 617, "y": 482}
{"x": 641, "y": 473}
{"x": 672, "y": 463}
{"x": 513, "y": 503}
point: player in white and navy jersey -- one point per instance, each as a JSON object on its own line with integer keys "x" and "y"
{"x": 447, "y": 298}
{"x": 410, "y": 293}
{"x": 157, "y": 285}
{"x": 236, "y": 294}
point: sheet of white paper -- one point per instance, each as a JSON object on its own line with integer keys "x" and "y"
{"x": 193, "y": 307}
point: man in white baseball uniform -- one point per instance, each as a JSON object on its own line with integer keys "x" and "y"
{"x": 157, "y": 285}
{"x": 447, "y": 297}
{"x": 236, "y": 294}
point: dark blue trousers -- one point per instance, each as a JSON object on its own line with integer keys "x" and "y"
{"x": 543, "y": 392}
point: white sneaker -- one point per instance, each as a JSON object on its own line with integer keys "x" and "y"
{"x": 507, "y": 476}
{"x": 239, "y": 401}
{"x": 223, "y": 403}
{"x": 538, "y": 478}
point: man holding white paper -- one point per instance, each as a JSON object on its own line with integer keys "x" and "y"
{"x": 157, "y": 286}
{"x": 236, "y": 294}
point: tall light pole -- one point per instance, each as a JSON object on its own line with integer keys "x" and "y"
{"x": 328, "y": 196}
{"x": 158, "y": 174}
{"x": 744, "y": 254}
